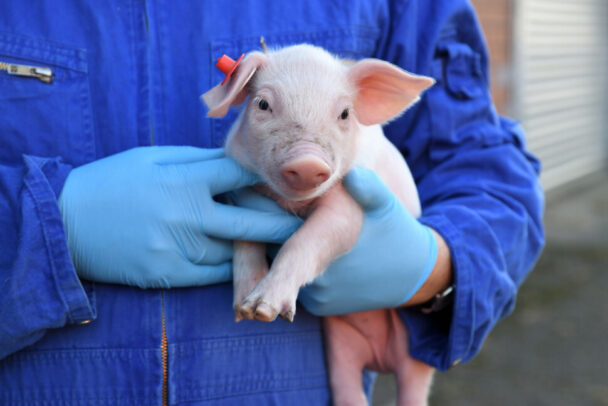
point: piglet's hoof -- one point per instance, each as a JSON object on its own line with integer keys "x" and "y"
{"x": 237, "y": 315}
{"x": 265, "y": 312}
{"x": 256, "y": 310}
{"x": 261, "y": 310}
{"x": 288, "y": 315}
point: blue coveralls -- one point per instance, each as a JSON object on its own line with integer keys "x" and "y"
{"x": 129, "y": 73}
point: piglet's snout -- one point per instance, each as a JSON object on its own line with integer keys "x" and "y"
{"x": 305, "y": 172}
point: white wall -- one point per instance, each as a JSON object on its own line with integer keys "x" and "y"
{"x": 560, "y": 79}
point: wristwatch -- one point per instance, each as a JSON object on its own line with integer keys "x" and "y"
{"x": 439, "y": 302}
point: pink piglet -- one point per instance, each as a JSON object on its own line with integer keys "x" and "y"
{"x": 309, "y": 118}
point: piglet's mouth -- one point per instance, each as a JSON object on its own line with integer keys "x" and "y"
{"x": 302, "y": 195}
{"x": 285, "y": 191}
{"x": 286, "y": 197}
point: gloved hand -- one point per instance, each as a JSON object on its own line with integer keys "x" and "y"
{"x": 391, "y": 260}
{"x": 146, "y": 217}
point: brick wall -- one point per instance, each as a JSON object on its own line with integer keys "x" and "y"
{"x": 496, "y": 21}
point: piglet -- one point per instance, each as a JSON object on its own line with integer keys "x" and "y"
{"x": 309, "y": 118}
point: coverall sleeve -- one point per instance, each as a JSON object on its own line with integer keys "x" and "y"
{"x": 38, "y": 283}
{"x": 478, "y": 186}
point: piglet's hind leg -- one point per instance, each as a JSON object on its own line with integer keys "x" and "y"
{"x": 414, "y": 380}
{"x": 346, "y": 353}
{"x": 377, "y": 340}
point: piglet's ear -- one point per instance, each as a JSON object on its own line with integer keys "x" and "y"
{"x": 383, "y": 90}
{"x": 234, "y": 91}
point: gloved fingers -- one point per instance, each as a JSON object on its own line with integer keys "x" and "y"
{"x": 237, "y": 223}
{"x": 175, "y": 155}
{"x": 187, "y": 274}
{"x": 251, "y": 199}
{"x": 307, "y": 300}
{"x": 366, "y": 187}
{"x": 319, "y": 301}
{"x": 209, "y": 251}
{"x": 222, "y": 175}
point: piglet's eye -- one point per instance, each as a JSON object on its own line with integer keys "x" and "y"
{"x": 344, "y": 114}
{"x": 263, "y": 104}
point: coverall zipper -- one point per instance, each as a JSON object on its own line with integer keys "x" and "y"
{"x": 41, "y": 73}
{"x": 164, "y": 355}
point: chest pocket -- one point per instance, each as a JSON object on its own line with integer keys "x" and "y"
{"x": 44, "y": 119}
{"x": 347, "y": 43}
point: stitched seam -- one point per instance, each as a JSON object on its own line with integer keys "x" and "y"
{"x": 43, "y": 51}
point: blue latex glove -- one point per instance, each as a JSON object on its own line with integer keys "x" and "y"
{"x": 391, "y": 260}
{"x": 146, "y": 217}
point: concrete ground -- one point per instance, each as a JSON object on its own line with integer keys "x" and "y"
{"x": 553, "y": 349}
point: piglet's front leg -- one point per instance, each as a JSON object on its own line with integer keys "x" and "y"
{"x": 331, "y": 229}
{"x": 249, "y": 266}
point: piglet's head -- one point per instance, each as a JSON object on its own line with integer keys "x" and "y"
{"x": 305, "y": 113}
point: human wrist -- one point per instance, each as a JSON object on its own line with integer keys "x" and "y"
{"x": 440, "y": 277}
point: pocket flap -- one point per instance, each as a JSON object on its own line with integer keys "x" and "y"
{"x": 462, "y": 72}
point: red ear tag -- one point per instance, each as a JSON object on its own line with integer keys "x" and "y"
{"x": 227, "y": 65}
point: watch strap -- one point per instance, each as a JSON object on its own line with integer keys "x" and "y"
{"x": 439, "y": 302}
